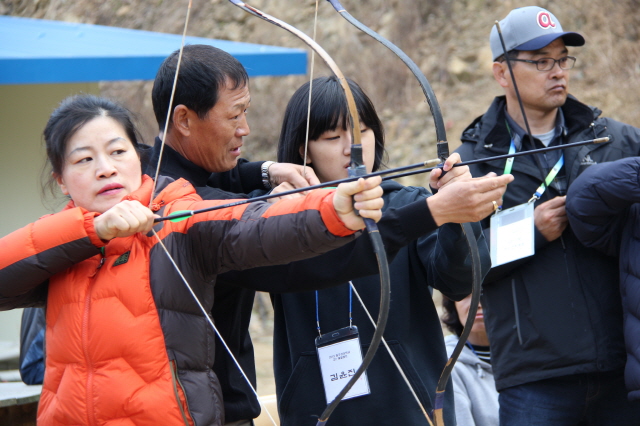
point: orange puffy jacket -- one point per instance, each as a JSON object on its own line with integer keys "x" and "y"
{"x": 126, "y": 342}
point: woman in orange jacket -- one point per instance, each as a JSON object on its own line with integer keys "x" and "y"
{"x": 127, "y": 343}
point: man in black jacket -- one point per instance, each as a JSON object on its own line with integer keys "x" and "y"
{"x": 554, "y": 319}
{"x": 204, "y": 136}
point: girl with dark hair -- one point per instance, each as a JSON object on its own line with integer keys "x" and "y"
{"x": 126, "y": 342}
{"x": 473, "y": 384}
{"x": 329, "y": 114}
{"x": 437, "y": 256}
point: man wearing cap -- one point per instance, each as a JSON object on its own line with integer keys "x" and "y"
{"x": 554, "y": 318}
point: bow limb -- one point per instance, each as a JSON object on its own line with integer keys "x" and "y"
{"x": 371, "y": 226}
{"x": 355, "y": 120}
{"x": 434, "y": 106}
{"x": 513, "y": 78}
{"x": 443, "y": 153}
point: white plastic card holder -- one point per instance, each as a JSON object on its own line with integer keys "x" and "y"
{"x": 512, "y": 234}
{"x": 338, "y": 363}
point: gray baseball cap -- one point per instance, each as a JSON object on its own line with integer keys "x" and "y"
{"x": 530, "y": 28}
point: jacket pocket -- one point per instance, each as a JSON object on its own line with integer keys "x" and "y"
{"x": 516, "y": 313}
{"x": 506, "y": 306}
{"x": 416, "y": 382}
{"x": 180, "y": 395}
{"x": 303, "y": 398}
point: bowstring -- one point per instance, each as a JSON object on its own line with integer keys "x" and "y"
{"x": 393, "y": 357}
{"x": 313, "y": 58}
{"x": 173, "y": 92}
{"x": 206, "y": 315}
{"x": 164, "y": 248}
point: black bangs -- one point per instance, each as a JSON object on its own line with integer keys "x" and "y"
{"x": 329, "y": 111}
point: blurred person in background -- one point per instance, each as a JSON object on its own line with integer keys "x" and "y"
{"x": 475, "y": 392}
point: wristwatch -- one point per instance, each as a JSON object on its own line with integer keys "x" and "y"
{"x": 265, "y": 174}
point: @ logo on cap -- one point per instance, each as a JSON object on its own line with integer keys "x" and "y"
{"x": 530, "y": 28}
{"x": 545, "y": 21}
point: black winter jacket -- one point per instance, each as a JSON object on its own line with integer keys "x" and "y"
{"x": 558, "y": 312}
{"x": 603, "y": 206}
{"x": 234, "y": 292}
{"x": 440, "y": 259}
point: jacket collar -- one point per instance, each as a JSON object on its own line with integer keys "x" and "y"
{"x": 175, "y": 165}
{"x": 490, "y": 126}
{"x": 166, "y": 190}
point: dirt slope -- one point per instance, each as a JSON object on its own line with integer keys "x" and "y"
{"x": 447, "y": 39}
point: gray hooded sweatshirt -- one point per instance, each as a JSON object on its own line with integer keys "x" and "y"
{"x": 476, "y": 398}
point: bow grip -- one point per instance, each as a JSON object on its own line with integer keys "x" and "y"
{"x": 357, "y": 167}
{"x": 442, "y": 148}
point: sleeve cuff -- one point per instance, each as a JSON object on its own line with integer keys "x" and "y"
{"x": 91, "y": 230}
{"x": 251, "y": 175}
{"x": 334, "y": 224}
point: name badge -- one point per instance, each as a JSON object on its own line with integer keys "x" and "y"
{"x": 340, "y": 355}
{"x": 512, "y": 234}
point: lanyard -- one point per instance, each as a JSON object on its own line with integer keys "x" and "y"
{"x": 547, "y": 181}
{"x": 550, "y": 177}
{"x": 509, "y": 164}
{"x": 350, "y": 309}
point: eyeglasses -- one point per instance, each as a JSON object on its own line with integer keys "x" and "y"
{"x": 546, "y": 64}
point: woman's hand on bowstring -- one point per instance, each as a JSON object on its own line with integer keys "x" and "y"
{"x": 124, "y": 219}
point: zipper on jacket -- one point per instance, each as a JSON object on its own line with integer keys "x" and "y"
{"x": 593, "y": 129}
{"x": 566, "y": 261}
{"x": 85, "y": 344}
{"x": 102, "y": 259}
{"x": 176, "y": 383}
{"x": 516, "y": 311}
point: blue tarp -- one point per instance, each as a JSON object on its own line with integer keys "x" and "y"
{"x": 34, "y": 51}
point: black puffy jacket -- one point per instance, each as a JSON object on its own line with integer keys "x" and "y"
{"x": 604, "y": 211}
